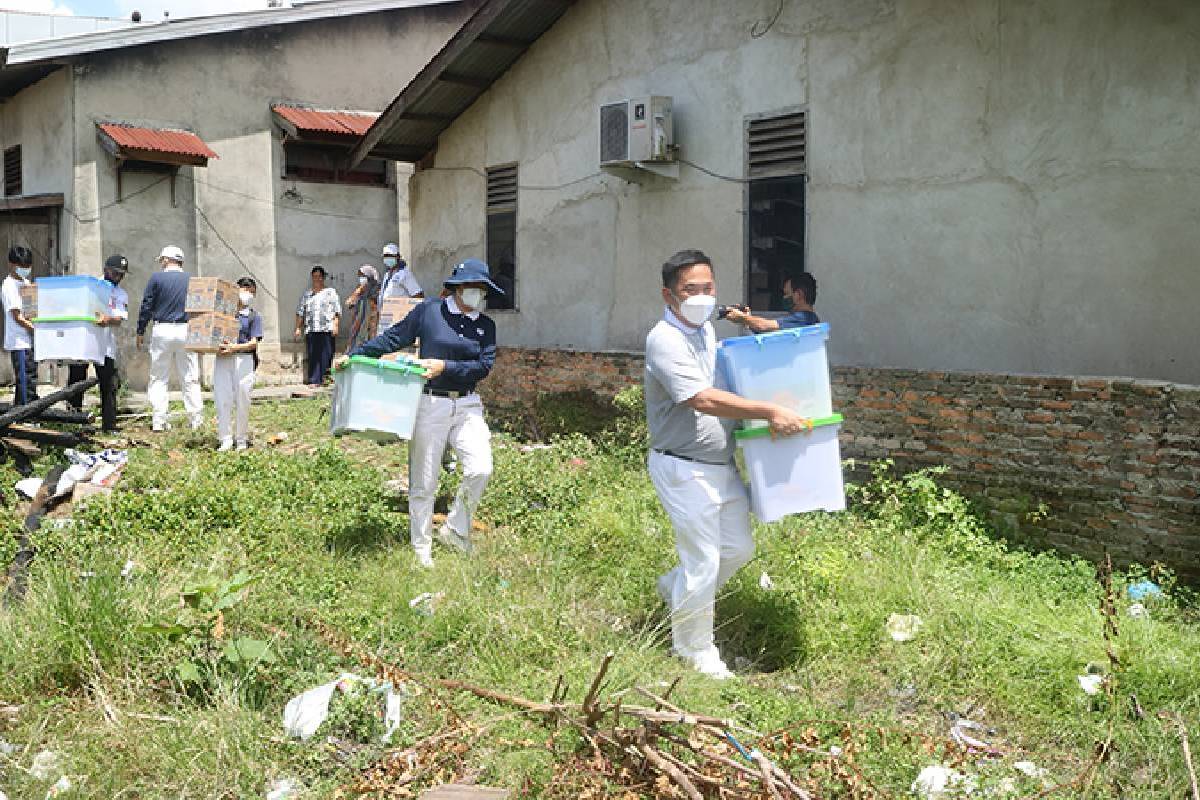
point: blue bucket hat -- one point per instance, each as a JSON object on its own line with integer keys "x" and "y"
{"x": 472, "y": 271}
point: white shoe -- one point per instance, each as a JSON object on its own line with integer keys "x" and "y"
{"x": 243, "y": 444}
{"x": 226, "y": 446}
{"x": 159, "y": 427}
{"x": 709, "y": 663}
{"x": 197, "y": 423}
{"x": 424, "y": 560}
{"x": 663, "y": 584}
{"x": 452, "y": 538}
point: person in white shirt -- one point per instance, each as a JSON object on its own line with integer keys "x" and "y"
{"x": 18, "y": 331}
{"x": 118, "y": 311}
{"x": 318, "y": 316}
{"x": 233, "y": 372}
{"x": 398, "y": 280}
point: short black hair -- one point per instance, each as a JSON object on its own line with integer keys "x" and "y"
{"x": 247, "y": 283}
{"x": 20, "y": 256}
{"x": 320, "y": 269}
{"x": 805, "y": 282}
{"x": 682, "y": 260}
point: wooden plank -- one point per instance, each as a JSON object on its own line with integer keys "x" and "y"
{"x": 31, "y": 202}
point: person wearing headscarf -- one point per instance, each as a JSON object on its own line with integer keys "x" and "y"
{"x": 363, "y": 304}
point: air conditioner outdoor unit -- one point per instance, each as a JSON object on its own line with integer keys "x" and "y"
{"x": 637, "y": 130}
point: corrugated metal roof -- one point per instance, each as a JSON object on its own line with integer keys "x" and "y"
{"x": 312, "y": 120}
{"x": 156, "y": 140}
{"x": 490, "y": 42}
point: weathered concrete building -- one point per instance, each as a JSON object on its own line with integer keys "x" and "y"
{"x": 255, "y": 187}
{"x": 994, "y": 196}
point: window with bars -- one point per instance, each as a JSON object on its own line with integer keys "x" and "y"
{"x": 502, "y": 233}
{"x": 12, "y": 171}
{"x": 776, "y": 164}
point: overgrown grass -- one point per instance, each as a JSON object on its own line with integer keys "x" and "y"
{"x": 565, "y": 573}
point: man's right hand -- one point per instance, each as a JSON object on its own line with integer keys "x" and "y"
{"x": 785, "y": 422}
{"x": 297, "y": 333}
{"x": 338, "y": 361}
{"x": 140, "y": 341}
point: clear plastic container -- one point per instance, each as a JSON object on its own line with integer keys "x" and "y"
{"x": 72, "y": 298}
{"x": 377, "y": 399}
{"x": 788, "y": 368}
{"x": 794, "y": 474}
{"x": 68, "y": 341}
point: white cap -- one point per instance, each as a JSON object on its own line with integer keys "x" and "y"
{"x": 391, "y": 249}
{"x": 172, "y": 252}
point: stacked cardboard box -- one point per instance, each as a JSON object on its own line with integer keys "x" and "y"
{"x": 394, "y": 309}
{"x": 212, "y": 305}
{"x": 29, "y": 300}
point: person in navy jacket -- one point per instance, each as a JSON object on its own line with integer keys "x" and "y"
{"x": 458, "y": 349}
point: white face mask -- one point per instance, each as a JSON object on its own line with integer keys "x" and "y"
{"x": 389, "y": 262}
{"x": 247, "y": 298}
{"x": 23, "y": 272}
{"x": 362, "y": 280}
{"x": 473, "y": 298}
{"x": 697, "y": 309}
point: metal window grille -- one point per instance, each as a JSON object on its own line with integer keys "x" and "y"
{"x": 776, "y": 145}
{"x": 502, "y": 189}
{"x": 12, "y": 171}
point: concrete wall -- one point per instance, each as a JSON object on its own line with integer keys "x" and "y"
{"x": 238, "y": 215}
{"x": 1004, "y": 186}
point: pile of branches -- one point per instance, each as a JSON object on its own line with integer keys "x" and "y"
{"x": 655, "y": 744}
{"x": 21, "y": 442}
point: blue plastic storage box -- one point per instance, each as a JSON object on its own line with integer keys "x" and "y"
{"x": 72, "y": 298}
{"x": 794, "y": 474}
{"x": 375, "y": 398}
{"x": 788, "y": 368}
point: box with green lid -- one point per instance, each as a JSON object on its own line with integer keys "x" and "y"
{"x": 375, "y": 398}
{"x": 794, "y": 474}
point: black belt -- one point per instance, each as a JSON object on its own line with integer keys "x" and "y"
{"x": 693, "y": 460}
{"x": 447, "y": 394}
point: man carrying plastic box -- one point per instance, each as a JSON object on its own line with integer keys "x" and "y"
{"x": 18, "y": 331}
{"x": 691, "y": 456}
{"x": 163, "y": 303}
{"x": 118, "y": 311}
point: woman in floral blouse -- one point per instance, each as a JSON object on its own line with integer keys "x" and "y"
{"x": 317, "y": 318}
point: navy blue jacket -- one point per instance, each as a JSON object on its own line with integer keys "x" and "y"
{"x": 798, "y": 319}
{"x": 467, "y": 346}
{"x": 164, "y": 299}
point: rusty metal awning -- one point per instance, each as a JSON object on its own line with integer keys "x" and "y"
{"x": 323, "y": 125}
{"x": 476, "y": 56}
{"x": 160, "y": 145}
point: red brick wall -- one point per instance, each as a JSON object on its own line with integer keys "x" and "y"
{"x": 1115, "y": 462}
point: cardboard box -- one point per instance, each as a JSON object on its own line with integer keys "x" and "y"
{"x": 394, "y": 309}
{"x": 215, "y": 295}
{"x": 207, "y": 330}
{"x": 29, "y": 301}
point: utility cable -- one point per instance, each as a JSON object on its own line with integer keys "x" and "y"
{"x": 762, "y": 27}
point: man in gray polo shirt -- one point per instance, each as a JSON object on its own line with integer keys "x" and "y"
{"x": 691, "y": 456}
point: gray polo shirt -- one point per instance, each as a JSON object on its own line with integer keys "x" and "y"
{"x": 680, "y": 363}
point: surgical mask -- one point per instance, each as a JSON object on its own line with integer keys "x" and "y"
{"x": 390, "y": 262}
{"x": 473, "y": 297}
{"x": 362, "y": 280}
{"x": 696, "y": 309}
{"x": 23, "y": 272}
{"x": 247, "y": 298}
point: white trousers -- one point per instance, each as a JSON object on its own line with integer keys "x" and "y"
{"x": 460, "y": 424}
{"x": 166, "y": 350}
{"x": 233, "y": 378}
{"x": 710, "y": 512}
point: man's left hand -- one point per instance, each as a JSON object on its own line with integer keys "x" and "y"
{"x": 433, "y": 366}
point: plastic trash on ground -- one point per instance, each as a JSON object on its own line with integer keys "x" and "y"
{"x": 28, "y": 487}
{"x": 938, "y": 782}
{"x": 1030, "y": 769}
{"x": 8, "y": 748}
{"x": 426, "y": 603}
{"x": 1091, "y": 684}
{"x": 903, "y": 627}
{"x": 1138, "y": 611}
{"x": 304, "y": 713}
{"x": 283, "y": 789}
{"x": 765, "y": 583}
{"x": 963, "y": 731}
{"x": 60, "y": 788}
{"x": 47, "y": 765}
{"x": 1143, "y": 590}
